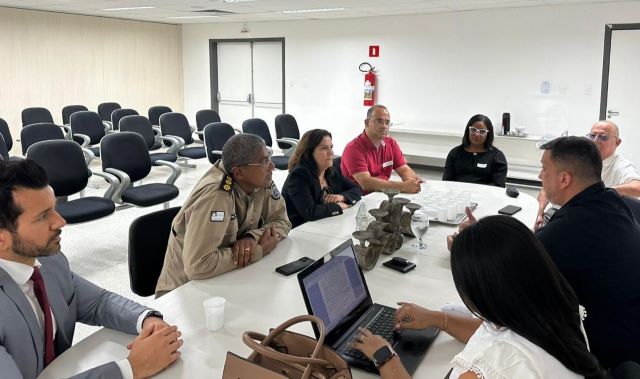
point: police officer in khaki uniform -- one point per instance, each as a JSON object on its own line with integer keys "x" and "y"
{"x": 233, "y": 217}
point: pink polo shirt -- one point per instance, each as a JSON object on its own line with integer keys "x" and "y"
{"x": 361, "y": 155}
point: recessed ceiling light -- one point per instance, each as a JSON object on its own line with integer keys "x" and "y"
{"x": 184, "y": 17}
{"x": 126, "y": 8}
{"x": 315, "y": 10}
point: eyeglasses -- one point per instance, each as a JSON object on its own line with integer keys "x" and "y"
{"x": 381, "y": 122}
{"x": 481, "y": 132}
{"x": 264, "y": 162}
{"x": 595, "y": 137}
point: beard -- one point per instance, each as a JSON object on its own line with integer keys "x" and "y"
{"x": 31, "y": 250}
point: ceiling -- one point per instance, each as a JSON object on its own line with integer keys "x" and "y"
{"x": 193, "y": 11}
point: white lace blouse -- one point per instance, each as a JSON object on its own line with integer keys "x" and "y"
{"x": 494, "y": 353}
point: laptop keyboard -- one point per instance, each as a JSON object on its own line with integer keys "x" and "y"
{"x": 382, "y": 325}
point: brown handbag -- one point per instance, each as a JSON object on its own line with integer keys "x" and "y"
{"x": 283, "y": 354}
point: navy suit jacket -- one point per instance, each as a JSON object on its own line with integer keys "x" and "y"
{"x": 72, "y": 299}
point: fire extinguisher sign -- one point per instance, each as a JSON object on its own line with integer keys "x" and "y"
{"x": 374, "y": 51}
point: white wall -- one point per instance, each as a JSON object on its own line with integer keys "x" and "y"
{"x": 435, "y": 71}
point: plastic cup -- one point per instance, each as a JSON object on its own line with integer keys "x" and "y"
{"x": 442, "y": 213}
{"x": 214, "y": 312}
{"x": 451, "y": 211}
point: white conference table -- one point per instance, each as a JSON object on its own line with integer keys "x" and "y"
{"x": 258, "y": 298}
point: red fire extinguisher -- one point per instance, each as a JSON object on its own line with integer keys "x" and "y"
{"x": 369, "y": 84}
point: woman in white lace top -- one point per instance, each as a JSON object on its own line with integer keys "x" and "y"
{"x": 528, "y": 321}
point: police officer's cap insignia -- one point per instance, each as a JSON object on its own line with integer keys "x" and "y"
{"x": 275, "y": 194}
{"x": 227, "y": 184}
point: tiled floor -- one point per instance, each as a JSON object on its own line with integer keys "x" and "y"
{"x": 98, "y": 250}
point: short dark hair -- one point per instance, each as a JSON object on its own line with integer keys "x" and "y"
{"x": 488, "y": 142}
{"x": 578, "y": 155}
{"x": 15, "y": 175}
{"x": 303, "y": 153}
{"x": 505, "y": 276}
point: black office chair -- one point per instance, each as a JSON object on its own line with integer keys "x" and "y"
{"x": 205, "y": 117}
{"x": 148, "y": 238}
{"x": 259, "y": 128}
{"x": 69, "y": 110}
{"x": 175, "y": 124}
{"x": 142, "y": 126}
{"x": 36, "y": 115}
{"x": 126, "y": 156}
{"x": 105, "y": 110}
{"x": 64, "y": 162}
{"x": 6, "y": 134}
{"x": 118, "y": 114}
{"x": 87, "y": 128}
{"x": 215, "y": 136}
{"x": 43, "y": 131}
{"x": 155, "y": 113}
{"x": 287, "y": 129}
{"x": 627, "y": 370}
{"x": 4, "y": 152}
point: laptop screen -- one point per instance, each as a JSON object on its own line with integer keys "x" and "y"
{"x": 336, "y": 288}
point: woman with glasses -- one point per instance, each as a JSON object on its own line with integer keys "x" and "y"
{"x": 528, "y": 321}
{"x": 477, "y": 160}
{"x": 314, "y": 189}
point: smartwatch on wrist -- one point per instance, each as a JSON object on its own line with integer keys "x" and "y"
{"x": 383, "y": 355}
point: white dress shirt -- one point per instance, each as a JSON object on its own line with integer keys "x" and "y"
{"x": 617, "y": 170}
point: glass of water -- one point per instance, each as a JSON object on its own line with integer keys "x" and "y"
{"x": 419, "y": 226}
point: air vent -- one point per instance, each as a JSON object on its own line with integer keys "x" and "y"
{"x": 214, "y": 11}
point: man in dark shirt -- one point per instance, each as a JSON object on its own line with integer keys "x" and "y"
{"x": 594, "y": 240}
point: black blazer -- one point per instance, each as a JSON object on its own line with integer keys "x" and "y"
{"x": 489, "y": 167}
{"x": 303, "y": 195}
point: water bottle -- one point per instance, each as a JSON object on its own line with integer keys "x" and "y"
{"x": 362, "y": 217}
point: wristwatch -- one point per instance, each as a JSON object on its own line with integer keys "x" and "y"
{"x": 383, "y": 355}
{"x": 152, "y": 313}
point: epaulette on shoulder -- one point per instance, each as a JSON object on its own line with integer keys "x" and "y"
{"x": 226, "y": 184}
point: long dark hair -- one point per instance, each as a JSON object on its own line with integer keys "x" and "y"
{"x": 488, "y": 142}
{"x": 505, "y": 276}
{"x": 304, "y": 151}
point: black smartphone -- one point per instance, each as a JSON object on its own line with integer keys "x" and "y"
{"x": 510, "y": 210}
{"x": 400, "y": 264}
{"x": 295, "y": 266}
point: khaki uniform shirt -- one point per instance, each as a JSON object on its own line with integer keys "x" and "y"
{"x": 216, "y": 214}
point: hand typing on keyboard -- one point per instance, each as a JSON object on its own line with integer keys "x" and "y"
{"x": 366, "y": 343}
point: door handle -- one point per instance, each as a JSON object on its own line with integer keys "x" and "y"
{"x": 218, "y": 96}
{"x": 249, "y": 99}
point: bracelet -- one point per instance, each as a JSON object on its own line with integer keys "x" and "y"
{"x": 446, "y": 321}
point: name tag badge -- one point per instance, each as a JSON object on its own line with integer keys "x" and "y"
{"x": 387, "y": 164}
{"x": 217, "y": 216}
{"x": 482, "y": 165}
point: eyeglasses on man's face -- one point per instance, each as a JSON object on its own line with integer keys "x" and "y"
{"x": 264, "y": 162}
{"x": 480, "y": 132}
{"x": 596, "y": 137}
{"x": 382, "y": 122}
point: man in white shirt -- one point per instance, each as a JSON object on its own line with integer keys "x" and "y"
{"x": 41, "y": 299}
{"x": 617, "y": 172}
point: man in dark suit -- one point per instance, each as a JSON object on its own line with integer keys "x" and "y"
{"x": 41, "y": 298}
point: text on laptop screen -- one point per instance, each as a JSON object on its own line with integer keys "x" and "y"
{"x": 335, "y": 289}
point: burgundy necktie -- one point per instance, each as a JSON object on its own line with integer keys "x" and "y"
{"x": 41, "y": 295}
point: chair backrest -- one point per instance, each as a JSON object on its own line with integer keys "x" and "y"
{"x": 627, "y": 370}
{"x": 176, "y": 124}
{"x": 105, "y": 109}
{"x": 286, "y": 127}
{"x": 148, "y": 238}
{"x": 205, "y": 117}
{"x": 258, "y": 127}
{"x": 140, "y": 125}
{"x": 126, "y": 151}
{"x": 4, "y": 152}
{"x": 6, "y": 133}
{"x": 43, "y": 131}
{"x": 64, "y": 162}
{"x": 156, "y": 112}
{"x": 69, "y": 110}
{"x": 216, "y": 135}
{"x": 35, "y": 115}
{"x": 118, "y": 114}
{"x": 87, "y": 123}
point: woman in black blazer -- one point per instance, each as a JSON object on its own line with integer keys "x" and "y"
{"x": 314, "y": 189}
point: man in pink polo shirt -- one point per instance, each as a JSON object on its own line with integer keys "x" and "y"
{"x": 371, "y": 157}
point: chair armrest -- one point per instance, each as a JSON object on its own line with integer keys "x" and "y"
{"x": 85, "y": 139}
{"x": 270, "y": 151}
{"x": 200, "y": 132}
{"x": 238, "y": 131}
{"x": 88, "y": 156}
{"x": 125, "y": 182}
{"x": 176, "y": 170}
{"x": 291, "y": 142}
{"x": 219, "y": 152}
{"x": 176, "y": 143}
{"x": 107, "y": 126}
{"x": 193, "y": 128}
{"x": 156, "y": 129}
{"x": 114, "y": 183}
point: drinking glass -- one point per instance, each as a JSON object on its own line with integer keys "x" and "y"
{"x": 419, "y": 226}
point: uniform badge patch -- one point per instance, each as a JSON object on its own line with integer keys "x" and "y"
{"x": 275, "y": 193}
{"x": 217, "y": 216}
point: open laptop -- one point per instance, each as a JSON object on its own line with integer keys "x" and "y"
{"x": 337, "y": 292}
